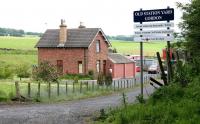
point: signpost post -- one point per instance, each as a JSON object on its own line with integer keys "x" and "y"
{"x": 156, "y": 15}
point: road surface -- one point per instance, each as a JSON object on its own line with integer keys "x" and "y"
{"x": 73, "y": 112}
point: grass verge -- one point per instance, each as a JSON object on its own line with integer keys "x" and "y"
{"x": 171, "y": 104}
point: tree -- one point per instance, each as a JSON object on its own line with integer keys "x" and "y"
{"x": 191, "y": 25}
{"x": 23, "y": 71}
{"x": 191, "y": 30}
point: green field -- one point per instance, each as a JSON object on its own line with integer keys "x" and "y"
{"x": 25, "y": 43}
{"x": 130, "y": 47}
{"x": 17, "y": 59}
{"x": 28, "y": 43}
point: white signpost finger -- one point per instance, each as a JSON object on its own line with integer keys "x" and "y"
{"x": 154, "y": 25}
{"x": 154, "y": 32}
{"x": 154, "y": 38}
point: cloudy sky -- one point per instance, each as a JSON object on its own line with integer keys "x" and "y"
{"x": 113, "y": 16}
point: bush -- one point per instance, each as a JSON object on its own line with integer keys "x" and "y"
{"x": 100, "y": 79}
{"x": 183, "y": 73}
{"x": 6, "y": 71}
{"x": 108, "y": 79}
{"x": 45, "y": 72}
{"x": 23, "y": 71}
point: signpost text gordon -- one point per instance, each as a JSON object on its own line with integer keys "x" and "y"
{"x": 154, "y": 15}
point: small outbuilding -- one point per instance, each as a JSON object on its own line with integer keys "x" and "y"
{"x": 120, "y": 66}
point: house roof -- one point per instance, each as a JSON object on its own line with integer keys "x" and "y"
{"x": 81, "y": 37}
{"x": 118, "y": 58}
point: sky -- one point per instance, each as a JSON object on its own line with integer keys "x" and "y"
{"x": 115, "y": 17}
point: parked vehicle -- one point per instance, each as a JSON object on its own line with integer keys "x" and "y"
{"x": 137, "y": 69}
{"x": 153, "y": 69}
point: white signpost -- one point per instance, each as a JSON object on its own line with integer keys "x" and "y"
{"x": 162, "y": 33}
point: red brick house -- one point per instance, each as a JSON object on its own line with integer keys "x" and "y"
{"x": 120, "y": 66}
{"x": 74, "y": 51}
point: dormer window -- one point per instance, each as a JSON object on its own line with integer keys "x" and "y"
{"x": 98, "y": 46}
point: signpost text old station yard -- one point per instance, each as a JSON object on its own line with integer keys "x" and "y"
{"x": 154, "y": 15}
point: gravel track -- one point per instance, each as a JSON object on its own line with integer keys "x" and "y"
{"x": 73, "y": 112}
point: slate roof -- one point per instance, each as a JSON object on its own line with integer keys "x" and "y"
{"x": 119, "y": 59}
{"x": 81, "y": 37}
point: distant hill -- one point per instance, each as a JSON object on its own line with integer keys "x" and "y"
{"x": 16, "y": 32}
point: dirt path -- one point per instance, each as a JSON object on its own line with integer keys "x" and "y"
{"x": 62, "y": 113}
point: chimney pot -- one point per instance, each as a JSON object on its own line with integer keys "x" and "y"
{"x": 81, "y": 25}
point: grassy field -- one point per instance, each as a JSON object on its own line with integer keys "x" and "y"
{"x": 130, "y": 47}
{"x": 25, "y": 43}
{"x": 28, "y": 43}
{"x": 17, "y": 59}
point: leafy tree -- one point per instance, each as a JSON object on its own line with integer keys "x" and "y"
{"x": 23, "y": 71}
{"x": 45, "y": 72}
{"x": 191, "y": 30}
{"x": 191, "y": 25}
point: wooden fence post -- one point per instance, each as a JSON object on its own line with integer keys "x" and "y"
{"x": 81, "y": 87}
{"x": 38, "y": 89}
{"x": 121, "y": 83}
{"x": 29, "y": 89}
{"x": 92, "y": 85}
{"x": 135, "y": 81}
{"x": 114, "y": 84}
{"x": 66, "y": 87}
{"x": 73, "y": 87}
{"x": 58, "y": 88}
{"x": 17, "y": 89}
{"x": 118, "y": 84}
{"x": 163, "y": 76}
{"x": 49, "y": 90}
{"x": 124, "y": 83}
{"x": 87, "y": 85}
{"x": 127, "y": 83}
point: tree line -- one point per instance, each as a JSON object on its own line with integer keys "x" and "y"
{"x": 15, "y": 32}
{"x": 121, "y": 37}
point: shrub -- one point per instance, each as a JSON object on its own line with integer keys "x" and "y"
{"x": 108, "y": 79}
{"x": 100, "y": 79}
{"x": 183, "y": 73}
{"x": 45, "y": 72}
{"x": 23, "y": 71}
{"x": 6, "y": 71}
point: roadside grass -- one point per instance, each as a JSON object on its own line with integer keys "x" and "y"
{"x": 24, "y": 43}
{"x": 7, "y": 91}
{"x": 131, "y": 47}
{"x": 171, "y": 104}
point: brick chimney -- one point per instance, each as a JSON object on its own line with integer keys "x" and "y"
{"x": 81, "y": 25}
{"x": 63, "y": 32}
